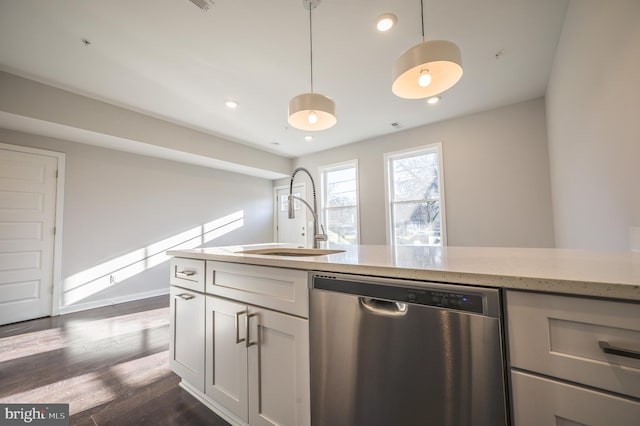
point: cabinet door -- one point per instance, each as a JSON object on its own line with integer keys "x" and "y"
{"x": 561, "y": 336}
{"x": 278, "y": 369}
{"x": 186, "y": 331}
{"x": 538, "y": 401}
{"x": 226, "y": 355}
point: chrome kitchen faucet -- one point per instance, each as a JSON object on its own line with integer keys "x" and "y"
{"x": 317, "y": 236}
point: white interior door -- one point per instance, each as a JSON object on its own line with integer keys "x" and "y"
{"x": 293, "y": 231}
{"x": 27, "y": 226}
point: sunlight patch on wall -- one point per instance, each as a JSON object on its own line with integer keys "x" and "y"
{"x": 86, "y": 283}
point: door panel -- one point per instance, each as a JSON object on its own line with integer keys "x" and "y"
{"x": 27, "y": 219}
{"x": 226, "y": 355}
{"x": 558, "y": 403}
{"x": 186, "y": 346}
{"x": 279, "y": 370}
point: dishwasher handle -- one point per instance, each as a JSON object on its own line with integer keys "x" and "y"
{"x": 383, "y": 307}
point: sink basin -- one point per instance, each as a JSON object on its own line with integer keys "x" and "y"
{"x": 285, "y": 251}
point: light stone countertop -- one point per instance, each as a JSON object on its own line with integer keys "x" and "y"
{"x": 607, "y": 274}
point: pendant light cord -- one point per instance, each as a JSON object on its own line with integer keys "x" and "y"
{"x": 422, "y": 17}
{"x": 311, "y": 45}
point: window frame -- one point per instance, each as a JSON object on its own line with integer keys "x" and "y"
{"x": 406, "y": 153}
{"x": 322, "y": 171}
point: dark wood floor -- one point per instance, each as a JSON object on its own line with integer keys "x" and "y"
{"x": 111, "y": 365}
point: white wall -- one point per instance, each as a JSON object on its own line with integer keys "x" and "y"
{"x": 117, "y": 204}
{"x": 593, "y": 119}
{"x": 496, "y": 173}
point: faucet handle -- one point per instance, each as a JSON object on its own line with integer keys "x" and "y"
{"x": 322, "y": 236}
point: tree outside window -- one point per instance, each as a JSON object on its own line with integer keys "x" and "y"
{"x": 415, "y": 196}
{"x": 339, "y": 183}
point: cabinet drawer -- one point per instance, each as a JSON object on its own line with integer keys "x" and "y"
{"x": 284, "y": 290}
{"x": 539, "y": 401}
{"x": 560, "y": 336}
{"x": 187, "y": 273}
{"x": 186, "y": 331}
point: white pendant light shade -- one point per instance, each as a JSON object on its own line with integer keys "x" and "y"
{"x": 440, "y": 59}
{"x": 312, "y": 111}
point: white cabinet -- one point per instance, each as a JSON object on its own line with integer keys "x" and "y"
{"x": 280, "y": 289}
{"x": 240, "y": 340}
{"x": 187, "y": 273}
{"x": 226, "y": 355}
{"x": 257, "y": 363}
{"x": 186, "y": 331}
{"x": 563, "y": 371}
{"x": 539, "y": 401}
{"x": 278, "y": 369}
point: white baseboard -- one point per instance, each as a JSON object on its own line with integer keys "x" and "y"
{"x": 112, "y": 301}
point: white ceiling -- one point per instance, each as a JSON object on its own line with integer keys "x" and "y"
{"x": 169, "y": 59}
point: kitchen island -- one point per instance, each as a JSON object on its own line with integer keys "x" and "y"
{"x": 579, "y": 272}
{"x": 572, "y": 325}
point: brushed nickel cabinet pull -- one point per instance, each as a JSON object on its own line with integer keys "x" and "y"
{"x": 248, "y": 342}
{"x": 237, "y": 319}
{"x": 185, "y": 274}
{"x": 186, "y": 296}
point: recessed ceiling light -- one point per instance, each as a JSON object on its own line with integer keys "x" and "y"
{"x": 386, "y": 21}
{"x": 231, "y": 104}
{"x": 433, "y": 100}
{"x": 308, "y": 138}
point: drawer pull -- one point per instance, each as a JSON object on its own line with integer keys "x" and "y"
{"x": 237, "y": 318}
{"x": 617, "y": 350}
{"x": 249, "y": 342}
{"x": 186, "y": 296}
{"x": 185, "y": 274}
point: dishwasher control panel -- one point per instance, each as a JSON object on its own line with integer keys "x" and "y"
{"x": 457, "y": 299}
{"x": 463, "y": 301}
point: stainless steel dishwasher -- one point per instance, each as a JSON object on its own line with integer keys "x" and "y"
{"x": 395, "y": 352}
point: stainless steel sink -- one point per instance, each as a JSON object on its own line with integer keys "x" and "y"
{"x": 294, "y": 252}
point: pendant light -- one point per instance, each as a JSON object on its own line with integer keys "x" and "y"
{"x": 312, "y": 111}
{"x": 427, "y": 69}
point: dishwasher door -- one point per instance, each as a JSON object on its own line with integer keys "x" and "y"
{"x": 391, "y": 352}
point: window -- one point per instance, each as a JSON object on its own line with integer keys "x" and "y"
{"x": 415, "y": 196}
{"x": 284, "y": 202}
{"x": 339, "y": 183}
